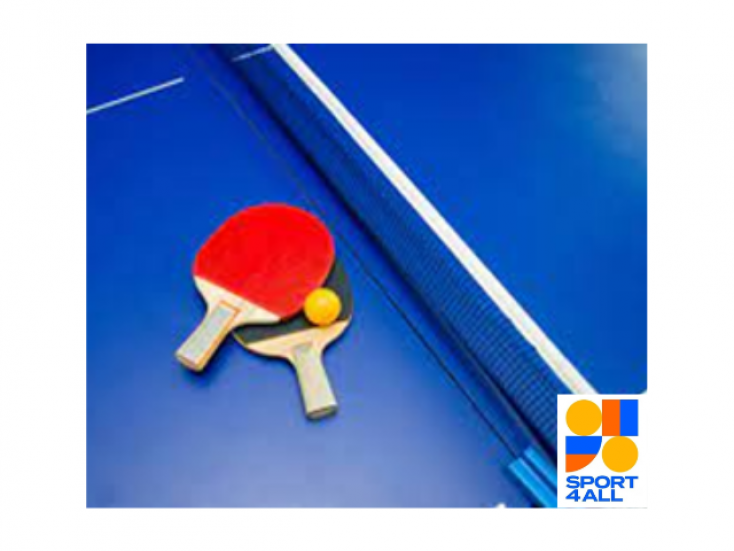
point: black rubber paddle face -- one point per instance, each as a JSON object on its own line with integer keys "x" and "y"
{"x": 337, "y": 281}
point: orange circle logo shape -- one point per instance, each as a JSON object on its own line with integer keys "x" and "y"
{"x": 583, "y": 418}
{"x": 620, "y": 454}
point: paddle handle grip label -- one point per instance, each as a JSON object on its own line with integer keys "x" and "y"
{"x": 198, "y": 349}
{"x": 318, "y": 398}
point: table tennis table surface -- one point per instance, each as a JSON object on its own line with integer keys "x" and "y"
{"x": 535, "y": 154}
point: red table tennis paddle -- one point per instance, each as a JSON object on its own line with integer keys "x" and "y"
{"x": 302, "y": 344}
{"x": 258, "y": 267}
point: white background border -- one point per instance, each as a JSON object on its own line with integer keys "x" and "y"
{"x": 43, "y": 213}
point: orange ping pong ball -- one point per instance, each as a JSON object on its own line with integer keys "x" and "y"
{"x": 322, "y": 307}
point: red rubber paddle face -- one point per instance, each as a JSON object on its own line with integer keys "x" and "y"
{"x": 271, "y": 255}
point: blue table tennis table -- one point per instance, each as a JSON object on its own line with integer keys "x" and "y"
{"x": 534, "y": 158}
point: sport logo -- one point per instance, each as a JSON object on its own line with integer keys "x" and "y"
{"x": 599, "y": 441}
{"x": 617, "y": 418}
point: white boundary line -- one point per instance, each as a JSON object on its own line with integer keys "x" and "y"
{"x": 253, "y": 53}
{"x": 135, "y": 95}
{"x": 555, "y": 359}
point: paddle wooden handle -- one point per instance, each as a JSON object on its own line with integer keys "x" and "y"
{"x": 198, "y": 349}
{"x": 318, "y": 398}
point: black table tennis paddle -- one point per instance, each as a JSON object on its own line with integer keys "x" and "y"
{"x": 302, "y": 344}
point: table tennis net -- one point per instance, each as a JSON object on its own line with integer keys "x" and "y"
{"x": 461, "y": 307}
